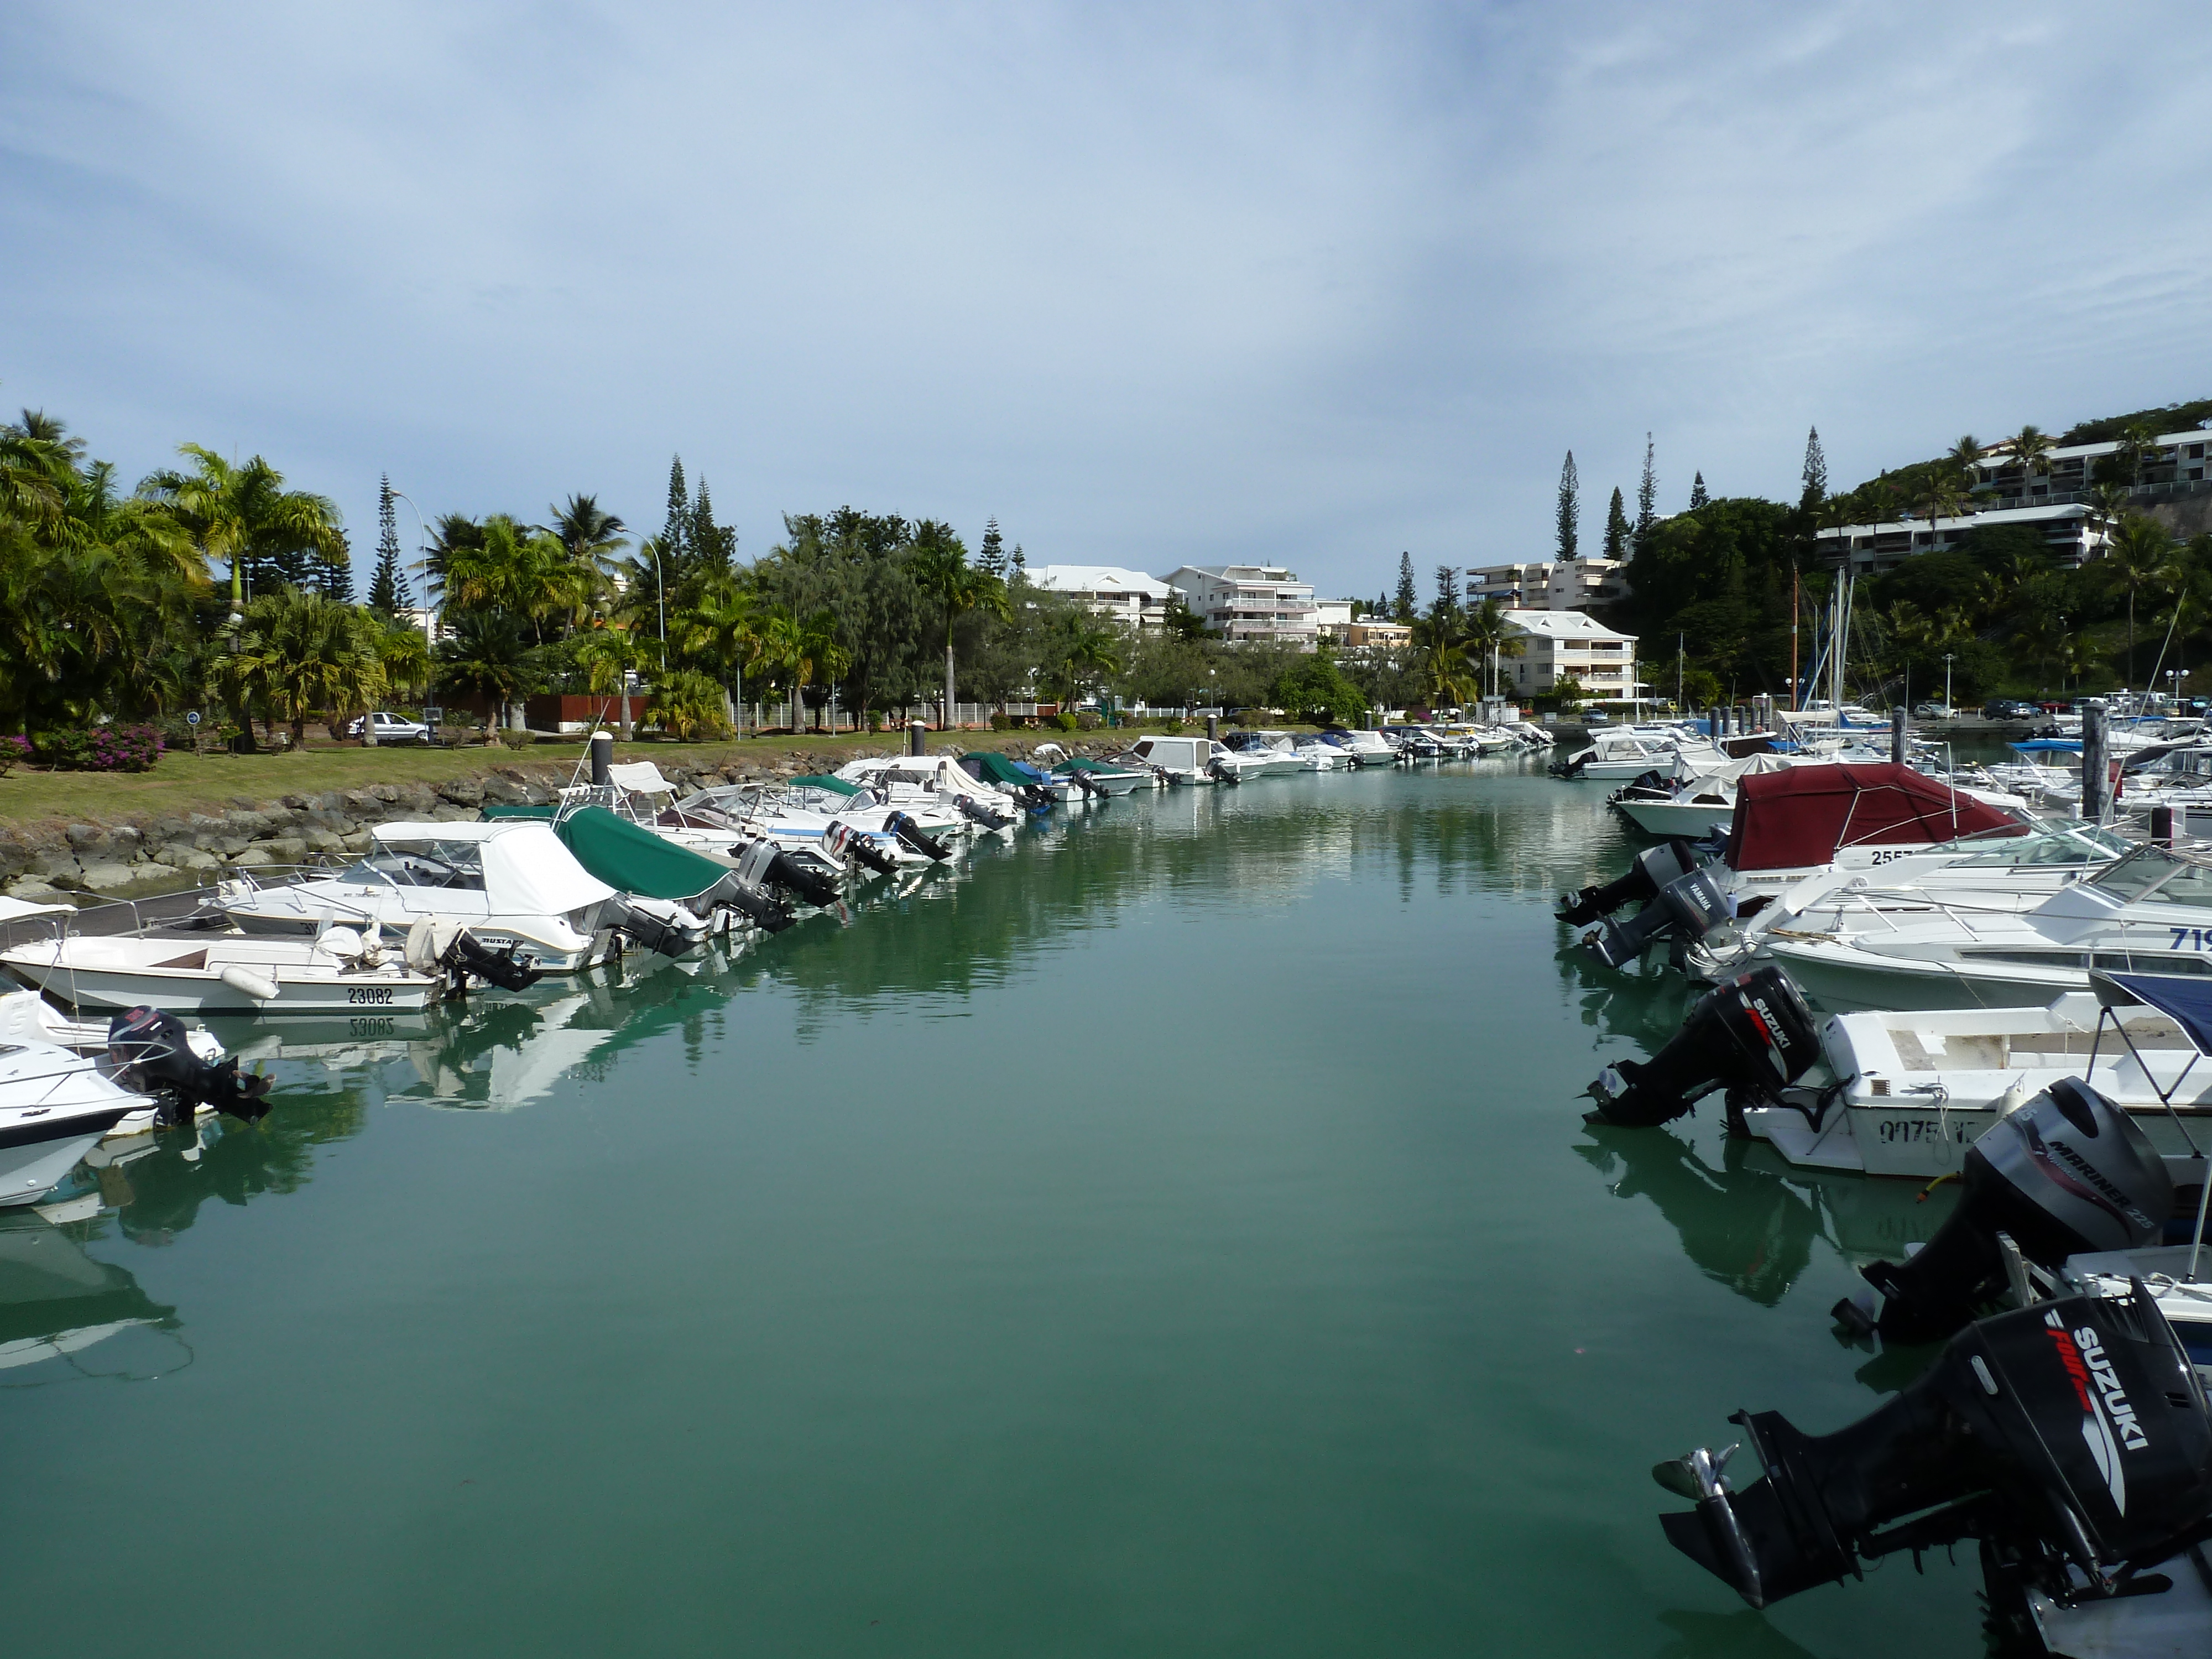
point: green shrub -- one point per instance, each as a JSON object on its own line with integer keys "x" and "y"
{"x": 1064, "y": 720}
{"x": 1002, "y": 721}
{"x": 518, "y": 737}
{"x": 99, "y": 748}
{"x": 1089, "y": 721}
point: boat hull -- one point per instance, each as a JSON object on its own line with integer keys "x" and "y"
{"x": 35, "y": 1156}
{"x": 1667, "y": 818}
{"x": 186, "y": 993}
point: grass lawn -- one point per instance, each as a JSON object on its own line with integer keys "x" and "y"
{"x": 183, "y": 782}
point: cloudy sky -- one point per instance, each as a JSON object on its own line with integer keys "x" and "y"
{"x": 1153, "y": 285}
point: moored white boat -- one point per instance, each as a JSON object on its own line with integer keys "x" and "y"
{"x": 335, "y": 972}
{"x": 54, "y": 1107}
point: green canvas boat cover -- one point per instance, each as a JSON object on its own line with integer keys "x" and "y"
{"x": 835, "y": 785}
{"x": 493, "y": 814}
{"x": 633, "y": 860}
{"x": 996, "y": 767}
{"x": 1084, "y": 764}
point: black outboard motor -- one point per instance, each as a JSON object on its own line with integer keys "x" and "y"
{"x": 1752, "y": 1033}
{"x": 661, "y": 933}
{"x": 1683, "y": 911}
{"x": 910, "y": 834}
{"x": 842, "y": 839}
{"x": 1083, "y": 783}
{"x": 811, "y": 886}
{"x": 153, "y": 1055}
{"x": 1654, "y": 867}
{"x": 2067, "y": 1172}
{"x": 466, "y": 954}
{"x": 976, "y": 812}
{"x": 2071, "y": 1432}
{"x": 743, "y": 890}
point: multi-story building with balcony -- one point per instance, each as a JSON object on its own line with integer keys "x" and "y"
{"x": 1249, "y": 601}
{"x": 2172, "y": 465}
{"x": 1553, "y": 585}
{"x": 2072, "y": 530}
{"x": 1129, "y": 596}
{"x": 1557, "y": 644}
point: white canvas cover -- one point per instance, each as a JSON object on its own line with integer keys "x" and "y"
{"x": 640, "y": 778}
{"x": 528, "y": 872}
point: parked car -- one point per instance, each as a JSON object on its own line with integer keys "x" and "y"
{"x": 1931, "y": 711}
{"x": 2008, "y": 708}
{"x": 2050, "y": 706}
{"x": 392, "y": 728}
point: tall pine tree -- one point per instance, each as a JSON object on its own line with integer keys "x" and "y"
{"x": 388, "y": 591}
{"x": 1697, "y": 496}
{"x": 336, "y": 578}
{"x": 1816, "y": 473}
{"x": 1647, "y": 495}
{"x": 707, "y": 545}
{"x": 1570, "y": 510}
{"x": 675, "y": 529}
{"x": 1616, "y": 528}
{"x": 991, "y": 557}
{"x": 1447, "y": 604}
{"x": 1407, "y": 603}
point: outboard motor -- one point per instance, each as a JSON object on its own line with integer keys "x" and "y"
{"x": 2071, "y": 1433}
{"x": 1653, "y": 868}
{"x": 1084, "y": 784}
{"x": 814, "y": 887}
{"x": 2067, "y": 1172}
{"x": 910, "y": 834}
{"x": 844, "y": 841}
{"x": 976, "y": 812}
{"x": 671, "y": 935}
{"x": 1684, "y": 911}
{"x": 1752, "y": 1033}
{"x": 743, "y": 890}
{"x": 467, "y": 954}
{"x": 152, "y": 1054}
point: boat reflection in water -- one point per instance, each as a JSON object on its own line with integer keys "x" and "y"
{"x": 57, "y": 1304}
{"x": 1750, "y": 1222}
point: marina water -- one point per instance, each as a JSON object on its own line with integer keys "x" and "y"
{"x": 1170, "y": 1231}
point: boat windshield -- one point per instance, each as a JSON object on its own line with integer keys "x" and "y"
{"x": 449, "y": 863}
{"x": 2046, "y": 844}
{"x": 2154, "y": 874}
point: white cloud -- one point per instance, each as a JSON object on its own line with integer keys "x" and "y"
{"x": 1150, "y": 285}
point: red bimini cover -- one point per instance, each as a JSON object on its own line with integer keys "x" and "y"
{"x": 1790, "y": 819}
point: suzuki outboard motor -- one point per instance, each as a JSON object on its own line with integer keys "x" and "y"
{"x": 843, "y": 841}
{"x": 1752, "y": 1033}
{"x": 910, "y": 834}
{"x": 153, "y": 1055}
{"x": 672, "y": 934}
{"x": 2067, "y": 1172}
{"x": 1654, "y": 867}
{"x": 2071, "y": 1432}
{"x": 466, "y": 954}
{"x": 1685, "y": 911}
{"x": 814, "y": 887}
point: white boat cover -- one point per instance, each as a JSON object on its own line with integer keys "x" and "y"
{"x": 640, "y": 778}
{"x": 15, "y": 909}
{"x": 526, "y": 870}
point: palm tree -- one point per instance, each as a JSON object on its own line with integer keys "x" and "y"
{"x": 592, "y": 537}
{"x": 1486, "y": 636}
{"x": 1937, "y": 498}
{"x": 485, "y": 655}
{"x": 2138, "y": 553}
{"x": 2138, "y": 445}
{"x": 608, "y": 656}
{"x": 938, "y": 566}
{"x": 312, "y": 652}
{"x": 2031, "y": 447}
{"x": 238, "y": 513}
{"x": 2106, "y": 502}
{"x": 1088, "y": 652}
{"x": 720, "y": 634}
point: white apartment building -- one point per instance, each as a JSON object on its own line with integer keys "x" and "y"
{"x": 1249, "y": 601}
{"x": 2170, "y": 467}
{"x": 1129, "y": 596}
{"x": 1333, "y": 617}
{"x": 1560, "y": 585}
{"x": 1555, "y": 644}
{"x": 2071, "y": 529}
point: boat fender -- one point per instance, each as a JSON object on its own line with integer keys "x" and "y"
{"x": 152, "y": 1054}
{"x": 262, "y": 988}
{"x": 910, "y": 834}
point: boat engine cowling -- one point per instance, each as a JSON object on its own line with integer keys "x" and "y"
{"x": 152, "y": 1054}
{"x": 1685, "y": 910}
{"x": 910, "y": 834}
{"x": 1753, "y": 1032}
{"x": 815, "y": 887}
{"x": 469, "y": 955}
{"x": 2074, "y": 1432}
{"x": 658, "y": 925}
{"x": 845, "y": 841}
{"x": 976, "y": 812}
{"x": 1652, "y": 869}
{"x": 2065, "y": 1172}
{"x": 744, "y": 889}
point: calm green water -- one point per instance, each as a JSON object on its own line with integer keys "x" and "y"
{"x": 1170, "y": 1233}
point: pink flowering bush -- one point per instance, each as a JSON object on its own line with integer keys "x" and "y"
{"x": 12, "y": 751}
{"x": 100, "y": 748}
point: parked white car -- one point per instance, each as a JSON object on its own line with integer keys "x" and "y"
{"x": 392, "y": 728}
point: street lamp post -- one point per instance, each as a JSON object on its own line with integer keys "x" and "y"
{"x": 1947, "y": 684}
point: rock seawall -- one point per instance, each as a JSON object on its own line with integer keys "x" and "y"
{"x": 51, "y": 860}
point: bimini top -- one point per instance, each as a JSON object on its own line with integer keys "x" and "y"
{"x": 525, "y": 869}
{"x": 2186, "y": 999}
{"x": 1800, "y": 817}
